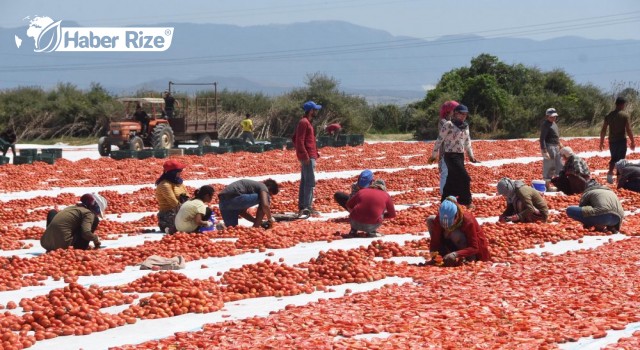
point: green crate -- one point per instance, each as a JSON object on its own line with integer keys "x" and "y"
{"x": 290, "y": 145}
{"x": 195, "y": 151}
{"x": 269, "y": 147}
{"x": 145, "y": 153}
{"x": 55, "y": 152}
{"x": 277, "y": 145}
{"x": 224, "y": 149}
{"x": 344, "y": 138}
{"x": 230, "y": 142}
{"x": 28, "y": 152}
{"x": 210, "y": 149}
{"x": 339, "y": 143}
{"x": 4, "y": 160}
{"x": 320, "y": 143}
{"x": 123, "y": 154}
{"x": 255, "y": 148}
{"x": 239, "y": 148}
{"x": 224, "y": 142}
{"x": 47, "y": 158}
{"x": 17, "y": 160}
{"x": 327, "y": 140}
{"x": 276, "y": 139}
{"x": 356, "y": 140}
{"x": 161, "y": 153}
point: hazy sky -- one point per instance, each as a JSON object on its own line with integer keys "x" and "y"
{"x": 428, "y": 19}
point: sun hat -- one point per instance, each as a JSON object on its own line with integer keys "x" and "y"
{"x": 172, "y": 164}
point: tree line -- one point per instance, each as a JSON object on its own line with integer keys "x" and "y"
{"x": 505, "y": 101}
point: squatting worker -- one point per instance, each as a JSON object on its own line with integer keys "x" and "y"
{"x": 369, "y": 207}
{"x": 365, "y": 179}
{"x": 304, "y": 141}
{"x": 599, "y": 208}
{"x": 456, "y": 235}
{"x": 243, "y": 194}
{"x": 195, "y": 213}
{"x": 524, "y": 203}
{"x": 75, "y": 226}
{"x": 170, "y": 194}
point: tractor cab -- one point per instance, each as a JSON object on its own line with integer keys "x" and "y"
{"x": 127, "y": 133}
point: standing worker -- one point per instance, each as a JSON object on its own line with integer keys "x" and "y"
{"x": 446, "y": 112}
{"x": 75, "y": 226}
{"x": 243, "y": 194}
{"x": 170, "y": 194}
{"x": 8, "y": 140}
{"x": 247, "y": 129}
{"x": 550, "y": 147}
{"x": 304, "y": 140}
{"x": 169, "y": 104}
{"x": 618, "y": 122}
{"x": 454, "y": 140}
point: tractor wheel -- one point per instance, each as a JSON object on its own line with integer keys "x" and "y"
{"x": 104, "y": 146}
{"x": 162, "y": 137}
{"x": 136, "y": 144}
{"x": 204, "y": 140}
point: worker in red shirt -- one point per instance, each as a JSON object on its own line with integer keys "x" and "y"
{"x": 304, "y": 141}
{"x": 333, "y": 130}
{"x": 456, "y": 235}
{"x": 368, "y": 208}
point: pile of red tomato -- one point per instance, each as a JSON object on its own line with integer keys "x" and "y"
{"x": 517, "y": 300}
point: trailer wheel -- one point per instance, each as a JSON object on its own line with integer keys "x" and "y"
{"x": 162, "y": 137}
{"x": 204, "y": 140}
{"x": 136, "y": 144}
{"x": 104, "y": 146}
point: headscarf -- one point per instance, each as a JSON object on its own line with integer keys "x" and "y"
{"x": 447, "y": 107}
{"x": 172, "y": 176}
{"x": 379, "y": 184}
{"x": 508, "y": 187}
{"x": 566, "y": 152}
{"x": 621, "y": 164}
{"x": 450, "y": 214}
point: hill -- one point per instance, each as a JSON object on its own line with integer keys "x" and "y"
{"x": 275, "y": 58}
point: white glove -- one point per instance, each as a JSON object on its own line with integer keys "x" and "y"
{"x": 209, "y": 224}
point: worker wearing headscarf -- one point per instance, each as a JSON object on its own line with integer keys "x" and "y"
{"x": 524, "y": 203}
{"x": 456, "y": 235}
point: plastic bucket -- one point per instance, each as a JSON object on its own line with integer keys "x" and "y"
{"x": 539, "y": 185}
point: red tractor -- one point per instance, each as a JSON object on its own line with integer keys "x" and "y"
{"x": 128, "y": 134}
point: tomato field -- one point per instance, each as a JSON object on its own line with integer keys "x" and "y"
{"x": 300, "y": 285}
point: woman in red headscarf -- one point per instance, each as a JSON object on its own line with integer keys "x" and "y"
{"x": 446, "y": 111}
